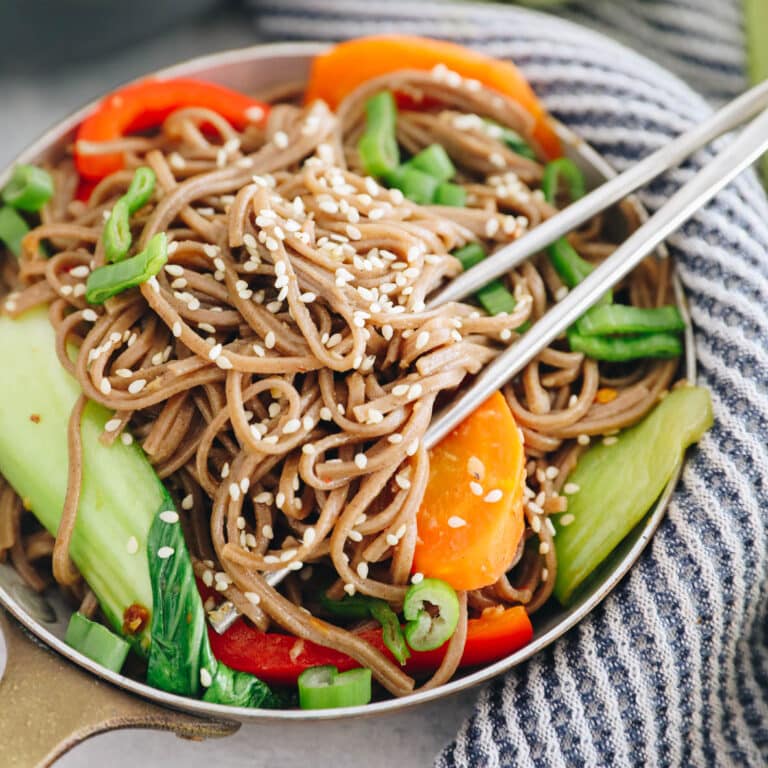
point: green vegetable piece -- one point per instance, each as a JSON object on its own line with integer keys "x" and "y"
{"x": 361, "y": 607}
{"x": 511, "y": 138}
{"x": 450, "y": 194}
{"x": 618, "y": 483}
{"x": 469, "y": 255}
{"x": 29, "y": 189}
{"x": 180, "y": 657}
{"x": 433, "y": 161}
{"x": 570, "y": 172}
{"x": 378, "y": 148}
{"x": 96, "y": 642}
{"x": 120, "y": 491}
{"x": 423, "y": 631}
{"x": 413, "y": 183}
{"x": 622, "y": 348}
{"x": 117, "y": 232}
{"x": 112, "y": 279}
{"x": 12, "y": 229}
{"x": 616, "y": 318}
{"x": 496, "y": 298}
{"x": 141, "y": 188}
{"x": 327, "y": 688}
{"x": 755, "y": 24}
{"x": 570, "y": 267}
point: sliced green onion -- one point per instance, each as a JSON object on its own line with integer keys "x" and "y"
{"x": 378, "y": 145}
{"x": 450, "y": 194}
{"x": 327, "y": 688}
{"x": 469, "y": 255}
{"x": 361, "y": 607}
{"x": 29, "y": 189}
{"x": 12, "y": 229}
{"x": 616, "y": 318}
{"x": 413, "y": 183}
{"x": 423, "y": 630}
{"x": 141, "y": 189}
{"x": 619, "y": 349}
{"x": 96, "y": 642}
{"x": 117, "y": 232}
{"x": 433, "y": 161}
{"x": 495, "y": 298}
{"x": 112, "y": 279}
{"x": 570, "y": 267}
{"x": 569, "y": 171}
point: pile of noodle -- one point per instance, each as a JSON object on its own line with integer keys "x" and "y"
{"x": 282, "y": 369}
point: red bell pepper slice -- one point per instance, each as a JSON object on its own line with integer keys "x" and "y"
{"x": 146, "y": 104}
{"x": 280, "y": 659}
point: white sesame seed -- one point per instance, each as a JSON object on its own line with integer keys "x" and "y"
{"x": 165, "y": 552}
{"x": 205, "y": 678}
{"x": 187, "y": 502}
{"x": 491, "y": 227}
{"x": 280, "y": 139}
{"x": 395, "y": 438}
{"x": 126, "y": 438}
{"x": 456, "y": 522}
{"x": 267, "y": 532}
{"x": 552, "y": 472}
{"x": 402, "y": 481}
{"x": 350, "y": 589}
{"x": 245, "y": 484}
{"x": 308, "y": 423}
{"x": 169, "y": 516}
{"x": 280, "y": 500}
{"x": 355, "y": 536}
{"x": 112, "y": 425}
{"x": 136, "y": 386}
{"x": 89, "y": 315}
{"x": 561, "y": 293}
{"x": 536, "y": 524}
{"x": 413, "y": 446}
{"x": 476, "y": 488}
{"x": 414, "y": 391}
{"x": 361, "y": 460}
{"x": 132, "y": 546}
{"x": 176, "y": 330}
{"x": 422, "y": 340}
{"x": 362, "y": 569}
{"x": 291, "y": 426}
{"x": 269, "y": 340}
{"x": 544, "y": 548}
{"x": 505, "y": 335}
{"x": 254, "y": 114}
{"x": 417, "y": 578}
{"x": 271, "y": 559}
{"x": 105, "y": 387}
{"x": 583, "y": 439}
{"x": 252, "y": 598}
{"x": 400, "y": 389}
{"x": 571, "y": 488}
{"x": 296, "y": 565}
{"x": 234, "y": 491}
{"x": 566, "y": 520}
{"x": 214, "y": 351}
{"x": 309, "y": 536}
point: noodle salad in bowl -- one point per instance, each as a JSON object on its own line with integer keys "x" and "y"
{"x": 222, "y": 364}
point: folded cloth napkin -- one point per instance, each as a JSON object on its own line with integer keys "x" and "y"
{"x": 672, "y": 668}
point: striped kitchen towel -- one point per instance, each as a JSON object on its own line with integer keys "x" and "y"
{"x": 672, "y": 669}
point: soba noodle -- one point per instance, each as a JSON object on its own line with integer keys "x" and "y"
{"x": 282, "y": 369}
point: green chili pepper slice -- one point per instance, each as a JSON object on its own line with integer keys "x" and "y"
{"x": 378, "y": 145}
{"x": 29, "y": 189}
{"x": 413, "y": 183}
{"x": 141, "y": 188}
{"x": 361, "y": 607}
{"x": 327, "y": 688}
{"x": 112, "y": 279}
{"x": 117, "y": 232}
{"x": 570, "y": 172}
{"x": 617, "y": 318}
{"x": 469, "y": 255}
{"x": 12, "y": 229}
{"x": 423, "y": 630}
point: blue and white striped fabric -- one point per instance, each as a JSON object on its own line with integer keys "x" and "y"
{"x": 672, "y": 669}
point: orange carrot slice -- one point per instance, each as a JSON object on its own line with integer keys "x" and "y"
{"x": 471, "y": 518}
{"x": 344, "y": 67}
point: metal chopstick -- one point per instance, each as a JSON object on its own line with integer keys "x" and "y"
{"x": 726, "y": 119}
{"x": 744, "y": 151}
